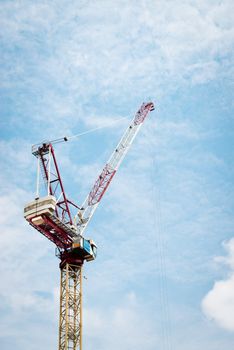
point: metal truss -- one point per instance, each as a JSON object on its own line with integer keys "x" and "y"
{"x": 70, "y": 324}
{"x": 104, "y": 179}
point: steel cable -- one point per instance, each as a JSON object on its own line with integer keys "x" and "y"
{"x": 160, "y": 245}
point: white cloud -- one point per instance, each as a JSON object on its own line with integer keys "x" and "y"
{"x": 107, "y": 56}
{"x": 218, "y": 304}
{"x": 120, "y": 325}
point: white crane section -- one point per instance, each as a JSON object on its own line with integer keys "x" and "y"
{"x": 91, "y": 202}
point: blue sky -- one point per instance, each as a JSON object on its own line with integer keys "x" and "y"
{"x": 164, "y": 276}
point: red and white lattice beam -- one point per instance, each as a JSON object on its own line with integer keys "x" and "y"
{"x": 50, "y": 172}
{"x": 93, "y": 199}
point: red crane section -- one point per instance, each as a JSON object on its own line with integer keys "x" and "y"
{"x": 51, "y": 215}
{"x": 53, "y": 180}
{"x": 101, "y": 185}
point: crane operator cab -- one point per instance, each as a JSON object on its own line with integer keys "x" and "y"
{"x": 85, "y": 248}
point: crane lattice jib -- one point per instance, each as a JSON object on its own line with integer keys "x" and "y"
{"x": 91, "y": 202}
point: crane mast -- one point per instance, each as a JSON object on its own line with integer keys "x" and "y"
{"x": 52, "y": 216}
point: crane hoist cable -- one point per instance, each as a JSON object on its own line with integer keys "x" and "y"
{"x": 161, "y": 261}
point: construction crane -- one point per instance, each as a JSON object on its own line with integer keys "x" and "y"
{"x": 52, "y": 216}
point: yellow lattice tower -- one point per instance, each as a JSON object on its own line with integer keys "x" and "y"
{"x": 70, "y": 323}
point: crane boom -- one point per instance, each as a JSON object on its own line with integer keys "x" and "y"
{"x": 101, "y": 184}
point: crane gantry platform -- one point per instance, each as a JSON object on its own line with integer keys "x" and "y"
{"x": 52, "y": 215}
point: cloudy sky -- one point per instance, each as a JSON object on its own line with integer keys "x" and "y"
{"x": 164, "y": 276}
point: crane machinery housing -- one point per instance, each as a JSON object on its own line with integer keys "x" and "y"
{"x": 52, "y": 216}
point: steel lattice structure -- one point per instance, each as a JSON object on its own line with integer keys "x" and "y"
{"x": 52, "y": 216}
{"x": 93, "y": 199}
{"x": 70, "y": 321}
